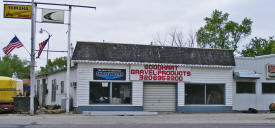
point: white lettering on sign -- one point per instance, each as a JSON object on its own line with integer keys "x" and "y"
{"x": 159, "y": 73}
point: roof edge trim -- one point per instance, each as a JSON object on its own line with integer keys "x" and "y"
{"x": 143, "y": 63}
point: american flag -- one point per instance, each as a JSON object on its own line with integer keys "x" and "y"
{"x": 14, "y": 43}
{"x": 42, "y": 45}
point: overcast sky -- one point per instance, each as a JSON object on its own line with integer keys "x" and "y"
{"x": 134, "y": 21}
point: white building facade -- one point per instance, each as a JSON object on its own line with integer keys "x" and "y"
{"x": 126, "y": 77}
{"x": 153, "y": 94}
{"x": 254, "y": 82}
{"x": 51, "y": 88}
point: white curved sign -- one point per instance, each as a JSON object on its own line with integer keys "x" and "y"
{"x": 53, "y": 16}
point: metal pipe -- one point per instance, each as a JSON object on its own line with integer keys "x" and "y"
{"x": 52, "y": 51}
{"x": 82, "y": 6}
{"x": 48, "y": 51}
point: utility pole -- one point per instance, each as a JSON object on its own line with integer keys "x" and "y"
{"x": 68, "y": 63}
{"x": 32, "y": 73}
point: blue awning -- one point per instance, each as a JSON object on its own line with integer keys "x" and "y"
{"x": 246, "y": 75}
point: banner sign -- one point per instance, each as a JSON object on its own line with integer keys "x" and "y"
{"x": 109, "y": 74}
{"x": 159, "y": 73}
{"x": 17, "y": 11}
{"x": 53, "y": 16}
{"x": 270, "y": 71}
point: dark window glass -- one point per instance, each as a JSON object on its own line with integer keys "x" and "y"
{"x": 245, "y": 87}
{"x": 99, "y": 93}
{"x": 62, "y": 87}
{"x": 54, "y": 90}
{"x": 268, "y": 87}
{"x": 195, "y": 94}
{"x": 214, "y": 94}
{"x": 121, "y": 93}
{"x": 38, "y": 85}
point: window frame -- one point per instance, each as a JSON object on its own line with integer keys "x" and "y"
{"x": 205, "y": 93}
{"x": 110, "y": 94}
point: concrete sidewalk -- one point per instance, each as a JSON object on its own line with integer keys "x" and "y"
{"x": 205, "y": 118}
{"x": 119, "y": 113}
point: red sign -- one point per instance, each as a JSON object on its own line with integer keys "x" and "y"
{"x": 160, "y": 73}
{"x": 271, "y": 68}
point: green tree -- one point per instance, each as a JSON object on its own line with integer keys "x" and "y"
{"x": 55, "y": 65}
{"x": 221, "y": 33}
{"x": 12, "y": 64}
{"x": 258, "y": 47}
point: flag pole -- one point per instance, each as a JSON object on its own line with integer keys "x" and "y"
{"x": 24, "y": 46}
{"x": 27, "y": 50}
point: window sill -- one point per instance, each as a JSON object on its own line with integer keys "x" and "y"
{"x": 205, "y": 105}
{"x": 110, "y": 105}
{"x": 246, "y": 93}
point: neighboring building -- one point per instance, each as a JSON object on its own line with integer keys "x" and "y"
{"x": 51, "y": 88}
{"x": 255, "y": 82}
{"x": 129, "y": 77}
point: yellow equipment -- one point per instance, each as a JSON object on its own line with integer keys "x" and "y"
{"x": 7, "y": 89}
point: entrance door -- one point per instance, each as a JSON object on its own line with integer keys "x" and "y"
{"x": 159, "y": 97}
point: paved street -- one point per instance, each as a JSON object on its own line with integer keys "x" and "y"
{"x": 221, "y": 120}
{"x": 141, "y": 126}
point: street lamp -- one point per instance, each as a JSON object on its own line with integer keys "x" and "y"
{"x": 41, "y": 31}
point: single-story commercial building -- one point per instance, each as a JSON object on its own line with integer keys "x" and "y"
{"x": 131, "y": 77}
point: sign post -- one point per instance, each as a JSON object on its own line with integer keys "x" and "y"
{"x": 51, "y": 16}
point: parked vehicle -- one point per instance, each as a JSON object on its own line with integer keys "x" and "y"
{"x": 7, "y": 92}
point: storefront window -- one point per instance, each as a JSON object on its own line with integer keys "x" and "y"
{"x": 245, "y": 87}
{"x": 120, "y": 93}
{"x": 268, "y": 87}
{"x": 194, "y": 94}
{"x": 204, "y": 94}
{"x": 214, "y": 94}
{"x": 99, "y": 93}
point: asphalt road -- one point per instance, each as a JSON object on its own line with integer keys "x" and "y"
{"x": 33, "y": 125}
{"x": 177, "y": 120}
